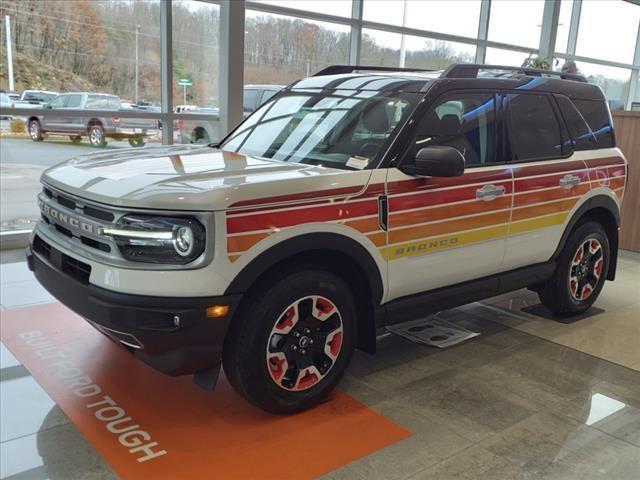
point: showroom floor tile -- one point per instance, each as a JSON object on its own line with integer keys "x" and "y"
{"x": 528, "y": 398}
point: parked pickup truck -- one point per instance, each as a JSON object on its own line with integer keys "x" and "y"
{"x": 98, "y": 129}
{"x": 206, "y": 131}
{"x": 34, "y": 99}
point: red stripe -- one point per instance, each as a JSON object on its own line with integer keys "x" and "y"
{"x": 299, "y": 196}
{"x": 263, "y": 221}
{"x": 528, "y": 184}
{"x": 440, "y": 197}
{"x": 521, "y": 170}
{"x": 404, "y": 186}
{"x": 601, "y": 162}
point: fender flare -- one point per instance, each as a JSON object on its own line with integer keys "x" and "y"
{"x": 598, "y": 201}
{"x": 306, "y": 243}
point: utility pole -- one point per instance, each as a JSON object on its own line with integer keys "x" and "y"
{"x": 137, "y": 33}
{"x": 9, "y": 53}
{"x": 403, "y": 49}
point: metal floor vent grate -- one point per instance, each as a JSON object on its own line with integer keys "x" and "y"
{"x": 432, "y": 331}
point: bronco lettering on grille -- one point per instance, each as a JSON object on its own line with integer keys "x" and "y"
{"x": 67, "y": 219}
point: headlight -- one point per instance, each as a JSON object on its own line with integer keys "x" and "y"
{"x": 155, "y": 239}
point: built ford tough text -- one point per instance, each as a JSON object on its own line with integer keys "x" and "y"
{"x": 353, "y": 199}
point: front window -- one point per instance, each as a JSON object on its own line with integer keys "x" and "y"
{"x": 338, "y": 128}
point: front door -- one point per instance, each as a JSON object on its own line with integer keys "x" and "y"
{"x": 443, "y": 231}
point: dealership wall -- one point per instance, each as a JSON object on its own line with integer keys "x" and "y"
{"x": 627, "y": 127}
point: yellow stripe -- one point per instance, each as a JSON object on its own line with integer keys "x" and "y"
{"x": 443, "y": 242}
{"x": 537, "y": 222}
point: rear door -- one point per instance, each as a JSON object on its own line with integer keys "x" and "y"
{"x": 443, "y": 231}
{"x": 548, "y": 179}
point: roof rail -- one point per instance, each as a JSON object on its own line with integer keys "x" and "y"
{"x": 470, "y": 70}
{"x": 338, "y": 69}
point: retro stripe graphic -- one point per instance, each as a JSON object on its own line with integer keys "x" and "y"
{"x": 428, "y": 215}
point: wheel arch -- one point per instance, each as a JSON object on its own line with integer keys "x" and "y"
{"x": 604, "y": 210}
{"x": 335, "y": 252}
{"x": 94, "y": 121}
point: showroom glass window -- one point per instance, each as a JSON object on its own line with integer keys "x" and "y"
{"x": 534, "y": 129}
{"x": 384, "y": 49}
{"x": 517, "y": 23}
{"x": 463, "y": 121}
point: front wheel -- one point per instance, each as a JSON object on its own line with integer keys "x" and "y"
{"x": 581, "y": 271}
{"x": 96, "y": 136}
{"x": 137, "y": 142}
{"x": 292, "y": 342}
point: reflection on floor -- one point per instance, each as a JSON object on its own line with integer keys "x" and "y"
{"x": 529, "y": 398}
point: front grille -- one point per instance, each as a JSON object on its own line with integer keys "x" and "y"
{"x": 74, "y": 268}
{"x": 74, "y": 205}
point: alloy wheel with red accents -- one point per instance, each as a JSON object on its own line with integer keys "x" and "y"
{"x": 581, "y": 271}
{"x": 304, "y": 343}
{"x": 586, "y": 269}
{"x": 292, "y": 339}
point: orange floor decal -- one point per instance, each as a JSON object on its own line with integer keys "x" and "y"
{"x": 148, "y": 425}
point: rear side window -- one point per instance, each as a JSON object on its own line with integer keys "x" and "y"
{"x": 74, "y": 101}
{"x": 97, "y": 102}
{"x": 582, "y": 137}
{"x": 597, "y": 116}
{"x": 250, "y": 100}
{"x": 534, "y": 129}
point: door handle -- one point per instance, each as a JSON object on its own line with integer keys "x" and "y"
{"x": 489, "y": 192}
{"x": 569, "y": 181}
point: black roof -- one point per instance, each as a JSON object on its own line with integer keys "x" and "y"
{"x": 387, "y": 79}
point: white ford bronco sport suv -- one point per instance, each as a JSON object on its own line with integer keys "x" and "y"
{"x": 356, "y": 198}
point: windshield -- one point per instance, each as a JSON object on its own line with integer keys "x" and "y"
{"x": 336, "y": 128}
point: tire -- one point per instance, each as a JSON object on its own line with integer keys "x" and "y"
{"x": 96, "y": 136}
{"x": 35, "y": 131}
{"x": 292, "y": 340}
{"x": 581, "y": 271}
{"x": 137, "y": 142}
{"x": 75, "y": 139}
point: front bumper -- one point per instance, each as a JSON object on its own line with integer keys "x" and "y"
{"x": 146, "y": 325}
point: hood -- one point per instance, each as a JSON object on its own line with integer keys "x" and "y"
{"x": 185, "y": 177}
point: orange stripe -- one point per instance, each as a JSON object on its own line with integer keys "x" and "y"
{"x": 378, "y": 239}
{"x": 425, "y": 231}
{"x": 558, "y": 193}
{"x": 447, "y": 211}
{"x": 233, "y": 258}
{"x": 364, "y": 225}
{"x": 546, "y": 209}
{"x": 244, "y": 242}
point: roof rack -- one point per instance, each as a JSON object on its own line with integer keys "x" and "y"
{"x": 470, "y": 70}
{"x": 339, "y": 69}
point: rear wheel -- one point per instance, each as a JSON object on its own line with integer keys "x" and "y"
{"x": 137, "y": 142}
{"x": 581, "y": 271}
{"x": 292, "y": 341}
{"x": 96, "y": 136}
{"x": 35, "y": 131}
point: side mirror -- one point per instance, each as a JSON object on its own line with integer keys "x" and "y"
{"x": 436, "y": 161}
